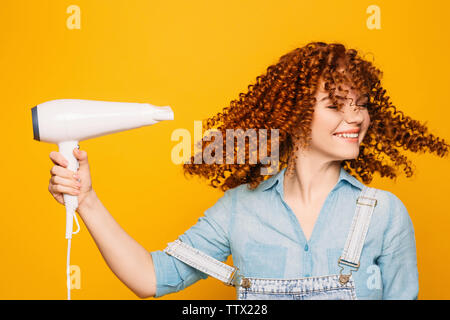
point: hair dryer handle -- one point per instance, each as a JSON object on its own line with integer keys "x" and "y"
{"x": 70, "y": 201}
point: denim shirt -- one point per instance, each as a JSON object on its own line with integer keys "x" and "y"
{"x": 265, "y": 239}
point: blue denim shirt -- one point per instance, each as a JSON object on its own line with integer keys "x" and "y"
{"x": 265, "y": 240}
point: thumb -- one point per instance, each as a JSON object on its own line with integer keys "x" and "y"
{"x": 81, "y": 156}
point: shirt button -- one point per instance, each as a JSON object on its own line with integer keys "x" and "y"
{"x": 306, "y": 247}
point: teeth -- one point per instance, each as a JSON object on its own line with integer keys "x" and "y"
{"x": 348, "y": 135}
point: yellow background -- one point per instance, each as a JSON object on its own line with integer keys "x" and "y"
{"x": 195, "y": 56}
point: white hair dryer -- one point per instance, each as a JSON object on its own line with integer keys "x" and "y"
{"x": 65, "y": 122}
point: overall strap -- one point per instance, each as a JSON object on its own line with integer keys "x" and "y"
{"x": 203, "y": 262}
{"x": 365, "y": 204}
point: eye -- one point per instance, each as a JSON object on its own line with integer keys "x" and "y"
{"x": 332, "y": 107}
{"x": 364, "y": 101}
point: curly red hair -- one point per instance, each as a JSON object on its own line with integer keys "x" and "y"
{"x": 283, "y": 98}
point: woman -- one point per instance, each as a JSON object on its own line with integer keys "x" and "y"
{"x": 290, "y": 235}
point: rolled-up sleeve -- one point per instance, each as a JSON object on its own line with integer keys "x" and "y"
{"x": 209, "y": 234}
{"x": 398, "y": 261}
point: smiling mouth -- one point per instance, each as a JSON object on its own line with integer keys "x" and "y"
{"x": 351, "y": 137}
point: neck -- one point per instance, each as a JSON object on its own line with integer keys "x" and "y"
{"x": 311, "y": 178}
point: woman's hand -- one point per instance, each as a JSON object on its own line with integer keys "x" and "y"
{"x": 64, "y": 180}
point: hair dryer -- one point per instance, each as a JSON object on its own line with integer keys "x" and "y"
{"x": 65, "y": 122}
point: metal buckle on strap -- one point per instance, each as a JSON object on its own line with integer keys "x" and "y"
{"x": 234, "y": 277}
{"x": 238, "y": 280}
{"x": 348, "y": 263}
{"x": 367, "y": 204}
{"x": 344, "y": 278}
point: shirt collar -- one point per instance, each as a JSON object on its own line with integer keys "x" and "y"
{"x": 277, "y": 180}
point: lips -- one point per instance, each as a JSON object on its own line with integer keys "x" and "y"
{"x": 348, "y": 131}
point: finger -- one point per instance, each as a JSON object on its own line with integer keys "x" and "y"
{"x": 58, "y": 159}
{"x": 57, "y": 188}
{"x": 65, "y": 182}
{"x": 63, "y": 172}
{"x": 58, "y": 196}
{"x": 82, "y": 157}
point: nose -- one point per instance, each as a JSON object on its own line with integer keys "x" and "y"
{"x": 353, "y": 114}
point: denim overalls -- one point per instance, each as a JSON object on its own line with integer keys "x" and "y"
{"x": 327, "y": 287}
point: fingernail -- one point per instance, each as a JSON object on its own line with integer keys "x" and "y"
{"x": 76, "y": 176}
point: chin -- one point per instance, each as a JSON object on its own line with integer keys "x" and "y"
{"x": 348, "y": 156}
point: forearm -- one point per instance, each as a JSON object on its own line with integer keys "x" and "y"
{"x": 127, "y": 259}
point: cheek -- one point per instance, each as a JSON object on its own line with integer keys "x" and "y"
{"x": 322, "y": 134}
{"x": 366, "y": 123}
{"x": 324, "y": 123}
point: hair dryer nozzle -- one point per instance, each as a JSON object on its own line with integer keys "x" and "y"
{"x": 163, "y": 113}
